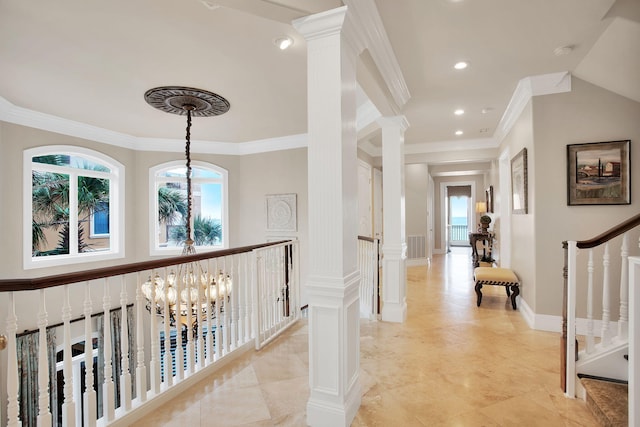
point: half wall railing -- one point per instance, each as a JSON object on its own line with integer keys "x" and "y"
{"x": 108, "y": 347}
{"x": 368, "y": 264}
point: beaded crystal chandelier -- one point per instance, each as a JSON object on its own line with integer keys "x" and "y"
{"x": 191, "y": 290}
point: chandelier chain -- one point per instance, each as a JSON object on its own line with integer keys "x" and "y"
{"x": 188, "y": 156}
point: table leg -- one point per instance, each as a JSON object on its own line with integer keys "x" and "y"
{"x": 516, "y": 291}
{"x": 479, "y": 292}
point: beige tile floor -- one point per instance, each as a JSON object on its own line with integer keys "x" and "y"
{"x": 450, "y": 364}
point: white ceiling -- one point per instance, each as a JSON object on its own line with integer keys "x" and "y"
{"x": 91, "y": 62}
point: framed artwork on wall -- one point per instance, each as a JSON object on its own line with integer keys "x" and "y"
{"x": 281, "y": 212}
{"x": 519, "y": 202}
{"x": 598, "y": 173}
{"x": 489, "y": 198}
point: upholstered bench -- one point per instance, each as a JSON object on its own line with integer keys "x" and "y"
{"x": 498, "y": 277}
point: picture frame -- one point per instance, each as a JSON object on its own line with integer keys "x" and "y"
{"x": 489, "y": 199}
{"x": 519, "y": 184}
{"x": 598, "y": 173}
{"x": 281, "y": 212}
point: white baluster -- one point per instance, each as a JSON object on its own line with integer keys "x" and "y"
{"x": 209, "y": 341}
{"x": 606, "y": 291}
{"x": 69, "y": 406}
{"x": 233, "y": 310}
{"x": 244, "y": 287}
{"x": 141, "y": 371}
{"x": 44, "y": 415}
{"x": 218, "y": 311}
{"x": 179, "y": 357}
{"x": 108, "y": 398}
{"x": 125, "y": 375}
{"x": 226, "y": 333}
{"x": 590, "y": 331}
{"x": 154, "y": 364}
{"x": 168, "y": 369}
{"x": 199, "y": 320}
{"x": 255, "y": 296}
{"x": 623, "y": 321}
{"x": 89, "y": 396}
{"x": 190, "y": 278}
{"x": 13, "y": 405}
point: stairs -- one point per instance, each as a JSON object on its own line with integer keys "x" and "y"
{"x": 607, "y": 399}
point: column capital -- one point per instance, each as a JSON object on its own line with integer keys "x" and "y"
{"x": 321, "y": 24}
{"x": 393, "y": 121}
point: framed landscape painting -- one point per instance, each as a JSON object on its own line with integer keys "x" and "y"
{"x": 598, "y": 173}
{"x": 519, "y": 185}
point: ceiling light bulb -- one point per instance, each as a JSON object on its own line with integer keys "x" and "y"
{"x": 283, "y": 42}
{"x": 459, "y": 132}
{"x": 461, "y": 65}
{"x": 459, "y": 112}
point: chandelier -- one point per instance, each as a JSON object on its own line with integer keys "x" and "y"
{"x": 191, "y": 291}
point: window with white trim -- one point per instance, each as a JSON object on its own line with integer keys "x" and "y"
{"x": 168, "y": 199}
{"x": 75, "y": 207}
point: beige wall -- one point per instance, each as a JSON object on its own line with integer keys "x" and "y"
{"x": 14, "y": 140}
{"x": 523, "y": 234}
{"x": 586, "y": 114}
{"x": 416, "y": 196}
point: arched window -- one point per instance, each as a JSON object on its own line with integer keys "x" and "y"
{"x": 75, "y": 206}
{"x": 168, "y": 201}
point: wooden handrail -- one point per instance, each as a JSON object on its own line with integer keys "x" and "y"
{"x": 609, "y": 234}
{"x": 44, "y": 282}
{"x": 367, "y": 239}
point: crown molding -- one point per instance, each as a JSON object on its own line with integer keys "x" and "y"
{"x": 457, "y": 145}
{"x": 22, "y": 116}
{"x": 372, "y": 32}
{"x": 544, "y": 84}
{"x": 33, "y": 119}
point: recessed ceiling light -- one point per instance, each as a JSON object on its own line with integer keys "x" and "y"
{"x": 563, "y": 50}
{"x": 484, "y": 130}
{"x": 486, "y": 110}
{"x": 459, "y": 132}
{"x": 283, "y": 42}
{"x": 459, "y": 112}
{"x": 461, "y": 65}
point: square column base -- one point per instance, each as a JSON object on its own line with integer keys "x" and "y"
{"x": 324, "y": 414}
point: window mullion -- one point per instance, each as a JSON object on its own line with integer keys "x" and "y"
{"x": 73, "y": 214}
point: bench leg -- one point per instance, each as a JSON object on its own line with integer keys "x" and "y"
{"x": 507, "y": 289}
{"x": 479, "y": 292}
{"x": 516, "y": 292}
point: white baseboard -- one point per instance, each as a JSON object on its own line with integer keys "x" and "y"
{"x": 550, "y": 323}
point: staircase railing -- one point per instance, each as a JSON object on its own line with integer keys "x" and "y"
{"x": 249, "y": 295}
{"x": 583, "y": 275}
{"x": 368, "y": 263}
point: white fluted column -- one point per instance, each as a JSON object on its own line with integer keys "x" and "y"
{"x": 394, "y": 246}
{"x": 333, "y": 282}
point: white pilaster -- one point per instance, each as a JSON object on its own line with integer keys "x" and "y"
{"x": 334, "y": 336}
{"x": 394, "y": 246}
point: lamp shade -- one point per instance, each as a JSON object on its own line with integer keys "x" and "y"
{"x": 481, "y": 207}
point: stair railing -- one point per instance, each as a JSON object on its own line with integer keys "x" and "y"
{"x": 586, "y": 271}
{"x": 254, "y": 294}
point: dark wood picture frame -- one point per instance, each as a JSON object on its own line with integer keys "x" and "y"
{"x": 489, "y": 198}
{"x": 519, "y": 183}
{"x": 598, "y": 173}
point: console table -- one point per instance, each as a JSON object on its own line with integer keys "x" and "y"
{"x": 485, "y": 238}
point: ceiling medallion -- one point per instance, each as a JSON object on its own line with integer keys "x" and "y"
{"x": 180, "y": 99}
